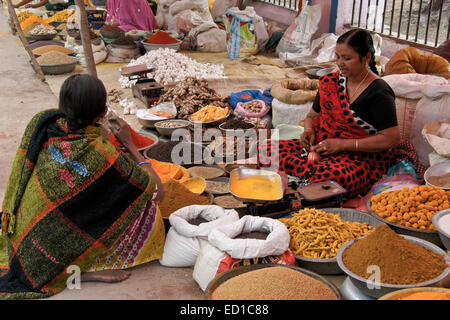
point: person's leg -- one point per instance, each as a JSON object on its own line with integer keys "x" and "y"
{"x": 109, "y": 276}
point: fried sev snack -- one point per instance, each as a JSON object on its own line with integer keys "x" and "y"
{"x": 319, "y": 234}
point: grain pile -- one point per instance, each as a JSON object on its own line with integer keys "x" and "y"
{"x": 54, "y": 57}
{"x": 273, "y": 283}
{"x": 52, "y": 47}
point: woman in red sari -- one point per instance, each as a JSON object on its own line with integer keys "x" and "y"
{"x": 352, "y": 124}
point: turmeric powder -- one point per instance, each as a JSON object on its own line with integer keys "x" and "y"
{"x": 256, "y": 188}
{"x": 426, "y": 295}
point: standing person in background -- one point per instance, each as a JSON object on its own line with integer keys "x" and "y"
{"x": 131, "y": 15}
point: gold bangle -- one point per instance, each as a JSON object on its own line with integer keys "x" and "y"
{"x": 356, "y": 144}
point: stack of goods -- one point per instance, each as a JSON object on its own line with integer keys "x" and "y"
{"x": 52, "y": 47}
{"x": 178, "y": 196}
{"x": 413, "y": 207}
{"x": 55, "y": 58}
{"x": 62, "y": 16}
{"x": 191, "y": 95}
{"x": 401, "y": 261}
{"x": 30, "y": 23}
{"x": 41, "y": 30}
{"x": 318, "y": 234}
{"x": 161, "y": 37}
{"x": 173, "y": 67}
{"x": 209, "y": 113}
{"x": 274, "y": 283}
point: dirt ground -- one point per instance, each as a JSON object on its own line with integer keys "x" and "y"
{"x": 23, "y": 95}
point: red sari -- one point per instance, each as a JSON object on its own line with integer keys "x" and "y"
{"x": 357, "y": 172}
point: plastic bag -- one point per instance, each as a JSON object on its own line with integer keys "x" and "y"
{"x": 184, "y": 240}
{"x": 299, "y": 34}
{"x": 244, "y": 96}
{"x": 401, "y": 168}
{"x": 241, "y": 112}
{"x": 240, "y": 27}
{"x": 395, "y": 182}
{"x": 283, "y": 113}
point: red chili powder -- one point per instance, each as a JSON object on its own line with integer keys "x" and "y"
{"x": 162, "y": 37}
{"x": 139, "y": 141}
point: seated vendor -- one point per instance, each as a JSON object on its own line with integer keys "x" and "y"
{"x": 131, "y": 15}
{"x": 352, "y": 125}
{"x": 75, "y": 202}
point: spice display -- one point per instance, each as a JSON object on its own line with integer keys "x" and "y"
{"x": 53, "y": 47}
{"x": 236, "y": 124}
{"x": 178, "y": 196}
{"x": 442, "y": 181}
{"x": 196, "y": 185}
{"x": 163, "y": 152}
{"x": 61, "y": 16}
{"x": 92, "y": 35}
{"x": 171, "y": 124}
{"x": 22, "y": 16}
{"x": 191, "y": 95}
{"x": 168, "y": 171}
{"x": 425, "y": 295}
{"x": 111, "y": 28}
{"x": 217, "y": 187}
{"x": 444, "y": 223}
{"x": 318, "y": 234}
{"x": 252, "y": 235}
{"x": 124, "y": 41}
{"x": 259, "y": 123}
{"x": 206, "y": 172}
{"x": 233, "y": 146}
{"x": 256, "y": 187}
{"x": 54, "y": 58}
{"x": 253, "y": 106}
{"x": 411, "y": 207}
{"x": 41, "y": 29}
{"x": 197, "y": 221}
{"x": 273, "y": 283}
{"x": 228, "y": 202}
{"x": 162, "y": 37}
{"x": 32, "y": 19}
{"x": 400, "y": 260}
{"x": 139, "y": 140}
{"x": 210, "y": 113}
{"x": 172, "y": 67}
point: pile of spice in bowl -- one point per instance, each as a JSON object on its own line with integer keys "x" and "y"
{"x": 42, "y": 30}
{"x": 273, "y": 283}
{"x": 125, "y": 41}
{"x": 236, "y": 123}
{"x": 55, "y": 58}
{"x": 163, "y": 152}
{"x": 52, "y": 47}
{"x": 161, "y": 39}
{"x": 400, "y": 261}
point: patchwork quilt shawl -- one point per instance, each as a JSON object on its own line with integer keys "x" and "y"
{"x": 69, "y": 196}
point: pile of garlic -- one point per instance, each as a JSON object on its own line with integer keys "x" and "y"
{"x": 129, "y": 107}
{"x": 172, "y": 67}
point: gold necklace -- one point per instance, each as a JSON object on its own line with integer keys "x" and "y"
{"x": 357, "y": 88}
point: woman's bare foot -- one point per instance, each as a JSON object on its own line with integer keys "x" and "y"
{"x": 109, "y": 276}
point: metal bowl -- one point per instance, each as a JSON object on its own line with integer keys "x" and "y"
{"x": 194, "y": 173}
{"x": 210, "y": 123}
{"x": 233, "y": 131}
{"x": 152, "y": 136}
{"x": 330, "y": 266}
{"x": 384, "y": 288}
{"x": 444, "y": 236}
{"x": 240, "y": 173}
{"x": 39, "y": 37}
{"x": 399, "y": 293}
{"x": 231, "y": 166}
{"x": 427, "y": 235}
{"x": 215, "y": 191}
{"x": 224, "y": 276}
{"x": 149, "y": 123}
{"x": 437, "y": 169}
{"x": 58, "y": 68}
{"x": 150, "y": 46}
{"x": 184, "y": 124}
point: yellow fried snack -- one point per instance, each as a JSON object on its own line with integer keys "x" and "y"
{"x": 209, "y": 113}
{"x": 411, "y": 207}
{"x": 318, "y": 234}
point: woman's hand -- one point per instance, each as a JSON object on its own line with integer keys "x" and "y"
{"x": 308, "y": 138}
{"x": 328, "y": 146}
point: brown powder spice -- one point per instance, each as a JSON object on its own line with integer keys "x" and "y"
{"x": 400, "y": 260}
{"x": 273, "y": 283}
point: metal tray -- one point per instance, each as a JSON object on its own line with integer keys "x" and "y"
{"x": 327, "y": 189}
{"x": 330, "y": 266}
{"x": 240, "y": 173}
{"x": 220, "y": 179}
{"x": 224, "y": 276}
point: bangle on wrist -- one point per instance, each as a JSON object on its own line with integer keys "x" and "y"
{"x": 144, "y": 162}
{"x": 356, "y": 144}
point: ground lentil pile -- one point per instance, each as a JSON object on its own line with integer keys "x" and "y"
{"x": 54, "y": 57}
{"x": 53, "y": 47}
{"x": 177, "y": 197}
{"x": 124, "y": 41}
{"x": 236, "y": 124}
{"x": 163, "y": 152}
{"x": 273, "y": 283}
{"x": 400, "y": 260}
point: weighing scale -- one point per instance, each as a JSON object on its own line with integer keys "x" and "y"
{"x": 145, "y": 89}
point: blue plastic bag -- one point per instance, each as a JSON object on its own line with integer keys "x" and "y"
{"x": 235, "y": 97}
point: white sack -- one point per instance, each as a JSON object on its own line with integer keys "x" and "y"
{"x": 283, "y": 113}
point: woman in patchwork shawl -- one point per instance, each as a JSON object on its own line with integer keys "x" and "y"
{"x": 352, "y": 124}
{"x": 74, "y": 202}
